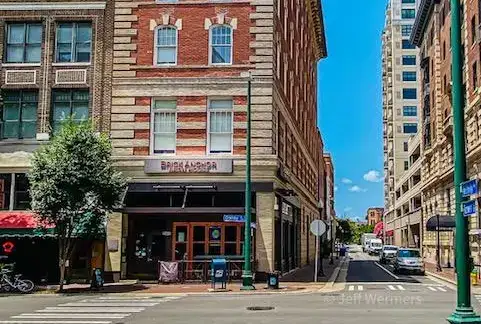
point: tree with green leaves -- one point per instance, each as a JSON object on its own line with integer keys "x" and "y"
{"x": 73, "y": 185}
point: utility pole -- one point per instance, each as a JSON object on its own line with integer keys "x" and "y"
{"x": 464, "y": 312}
{"x": 247, "y": 281}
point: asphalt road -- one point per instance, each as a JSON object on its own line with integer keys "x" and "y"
{"x": 364, "y": 293}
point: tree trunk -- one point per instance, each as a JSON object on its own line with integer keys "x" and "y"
{"x": 62, "y": 275}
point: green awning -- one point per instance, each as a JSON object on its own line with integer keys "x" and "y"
{"x": 27, "y": 233}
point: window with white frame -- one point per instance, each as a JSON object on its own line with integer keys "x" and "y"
{"x": 166, "y": 45}
{"x": 74, "y": 42}
{"x": 220, "y": 126}
{"x": 221, "y": 44}
{"x": 164, "y": 126}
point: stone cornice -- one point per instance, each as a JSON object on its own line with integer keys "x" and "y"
{"x": 315, "y": 11}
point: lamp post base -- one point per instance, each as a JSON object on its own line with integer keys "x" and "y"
{"x": 247, "y": 281}
{"x": 464, "y": 315}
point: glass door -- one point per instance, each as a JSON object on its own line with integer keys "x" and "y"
{"x": 180, "y": 241}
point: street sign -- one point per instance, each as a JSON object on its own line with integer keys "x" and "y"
{"x": 234, "y": 218}
{"x": 469, "y": 188}
{"x": 318, "y": 227}
{"x": 469, "y": 208}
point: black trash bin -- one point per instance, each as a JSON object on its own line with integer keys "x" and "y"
{"x": 273, "y": 280}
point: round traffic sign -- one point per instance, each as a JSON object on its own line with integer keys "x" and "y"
{"x": 318, "y": 227}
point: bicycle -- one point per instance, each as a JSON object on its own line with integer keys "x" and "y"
{"x": 9, "y": 283}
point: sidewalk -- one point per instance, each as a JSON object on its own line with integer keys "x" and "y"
{"x": 297, "y": 281}
{"x": 448, "y": 275}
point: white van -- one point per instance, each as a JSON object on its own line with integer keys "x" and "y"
{"x": 375, "y": 246}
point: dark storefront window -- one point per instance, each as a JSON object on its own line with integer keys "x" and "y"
{"x": 5, "y": 184}
{"x": 22, "y": 196}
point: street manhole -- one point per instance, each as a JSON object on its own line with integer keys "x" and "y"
{"x": 260, "y": 308}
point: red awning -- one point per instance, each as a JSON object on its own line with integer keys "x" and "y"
{"x": 378, "y": 228}
{"x": 19, "y": 220}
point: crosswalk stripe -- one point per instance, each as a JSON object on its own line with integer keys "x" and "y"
{"x": 391, "y": 287}
{"x": 52, "y": 322}
{"x": 125, "y": 298}
{"x": 71, "y": 316}
{"x": 351, "y": 288}
{"x": 88, "y": 304}
{"x": 400, "y": 287}
{"x": 90, "y": 310}
{"x": 360, "y": 288}
{"x": 442, "y": 289}
{"x": 432, "y": 288}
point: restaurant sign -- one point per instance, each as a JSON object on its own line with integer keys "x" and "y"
{"x": 188, "y": 166}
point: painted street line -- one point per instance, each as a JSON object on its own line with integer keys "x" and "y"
{"x": 125, "y": 298}
{"x": 387, "y": 271}
{"x": 71, "y": 316}
{"x": 85, "y": 304}
{"x": 400, "y": 287}
{"x": 53, "y": 322}
{"x": 391, "y": 287}
{"x": 432, "y": 288}
{"x": 360, "y": 288}
{"x": 351, "y": 288}
{"x": 442, "y": 289}
{"x": 90, "y": 310}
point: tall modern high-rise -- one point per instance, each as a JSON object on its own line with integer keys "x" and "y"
{"x": 400, "y": 95}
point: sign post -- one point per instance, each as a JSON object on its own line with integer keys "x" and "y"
{"x": 318, "y": 228}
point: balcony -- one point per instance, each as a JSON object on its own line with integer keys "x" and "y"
{"x": 448, "y": 126}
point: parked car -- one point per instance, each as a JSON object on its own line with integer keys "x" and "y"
{"x": 388, "y": 254}
{"x": 375, "y": 246}
{"x": 409, "y": 260}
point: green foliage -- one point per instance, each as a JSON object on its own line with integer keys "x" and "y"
{"x": 350, "y": 232}
{"x": 73, "y": 184}
{"x": 361, "y": 229}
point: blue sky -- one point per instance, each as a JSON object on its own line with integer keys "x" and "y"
{"x": 350, "y": 102}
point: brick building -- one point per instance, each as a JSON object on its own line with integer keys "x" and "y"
{"x": 55, "y": 62}
{"x": 431, "y": 34}
{"x": 178, "y": 127}
{"x": 374, "y": 215}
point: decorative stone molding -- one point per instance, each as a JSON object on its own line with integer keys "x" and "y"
{"x": 166, "y": 20}
{"x": 20, "y": 77}
{"x": 220, "y": 19}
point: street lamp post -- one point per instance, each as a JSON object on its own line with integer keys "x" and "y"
{"x": 464, "y": 312}
{"x": 247, "y": 281}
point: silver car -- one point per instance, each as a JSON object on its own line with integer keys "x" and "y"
{"x": 409, "y": 260}
{"x": 388, "y": 254}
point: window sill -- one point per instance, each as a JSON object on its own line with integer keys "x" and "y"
{"x": 160, "y": 67}
{"x": 72, "y": 64}
{"x": 21, "y": 65}
{"x": 26, "y": 141}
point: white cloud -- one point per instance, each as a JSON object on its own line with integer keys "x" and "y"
{"x": 335, "y": 188}
{"x": 357, "y": 189}
{"x": 373, "y": 176}
{"x": 346, "y": 180}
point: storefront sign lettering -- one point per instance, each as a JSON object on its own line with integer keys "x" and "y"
{"x": 188, "y": 166}
{"x": 234, "y": 218}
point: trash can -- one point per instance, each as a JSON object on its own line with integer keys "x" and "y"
{"x": 273, "y": 280}
{"x": 219, "y": 272}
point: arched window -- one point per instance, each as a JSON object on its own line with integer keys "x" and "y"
{"x": 166, "y": 45}
{"x": 221, "y": 44}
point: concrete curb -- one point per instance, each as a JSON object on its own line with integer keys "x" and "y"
{"x": 335, "y": 274}
{"x": 439, "y": 277}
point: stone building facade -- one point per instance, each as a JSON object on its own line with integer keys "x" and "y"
{"x": 178, "y": 128}
{"x": 56, "y": 62}
{"x": 432, "y": 35}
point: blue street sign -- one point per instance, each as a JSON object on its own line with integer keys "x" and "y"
{"x": 469, "y": 188}
{"x": 469, "y": 208}
{"x": 234, "y": 218}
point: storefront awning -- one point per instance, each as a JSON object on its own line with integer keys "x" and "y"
{"x": 22, "y": 224}
{"x": 443, "y": 223}
{"x": 378, "y": 228}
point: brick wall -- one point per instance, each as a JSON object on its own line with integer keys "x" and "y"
{"x": 97, "y": 73}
